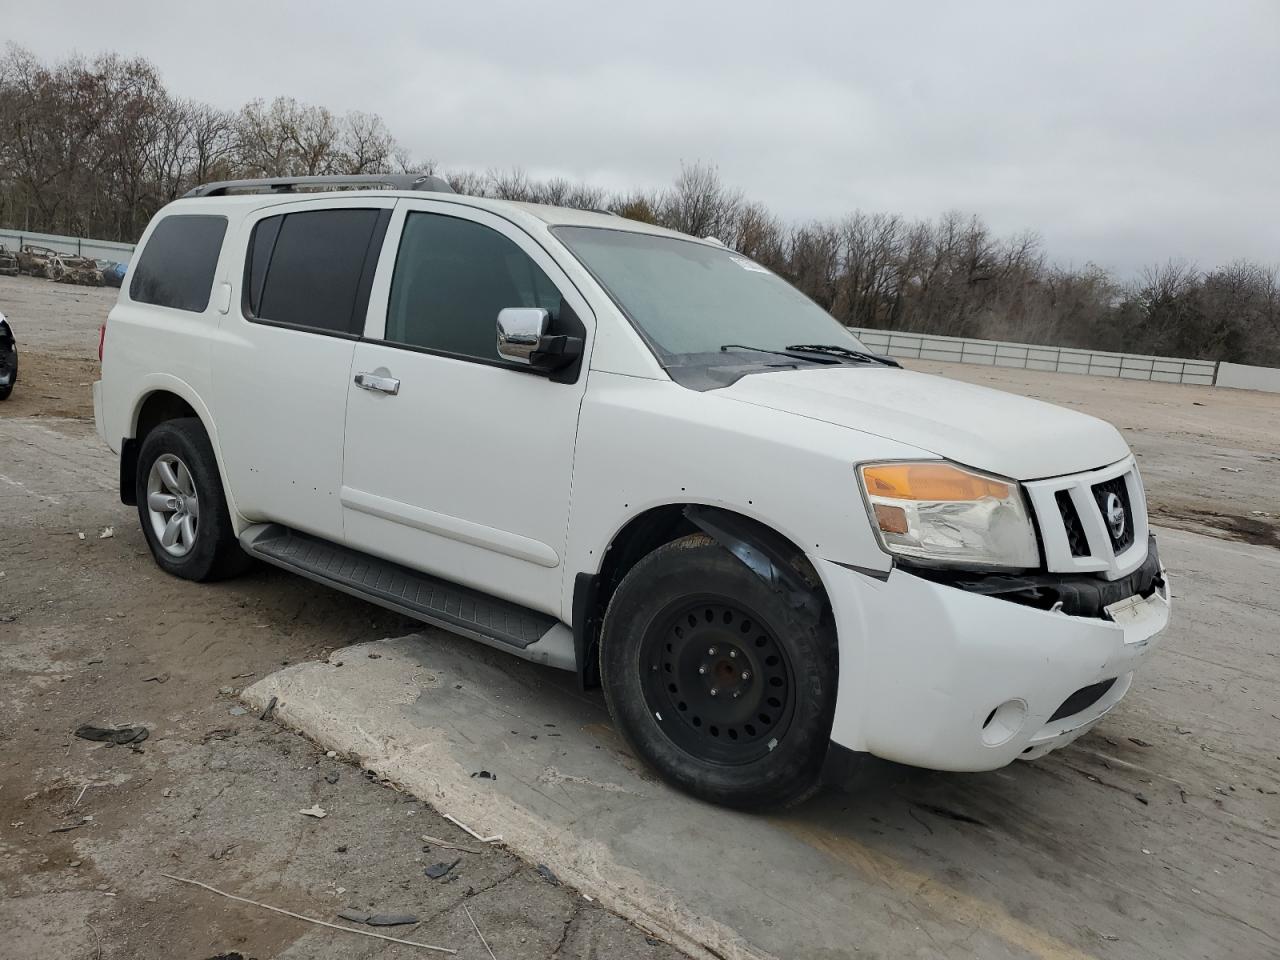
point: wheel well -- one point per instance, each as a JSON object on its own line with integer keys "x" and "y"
{"x": 155, "y": 410}
{"x": 642, "y": 535}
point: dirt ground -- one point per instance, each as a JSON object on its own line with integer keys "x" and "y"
{"x": 92, "y": 632}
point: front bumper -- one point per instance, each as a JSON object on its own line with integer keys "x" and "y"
{"x": 936, "y": 676}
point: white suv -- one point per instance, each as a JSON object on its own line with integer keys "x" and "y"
{"x": 616, "y": 449}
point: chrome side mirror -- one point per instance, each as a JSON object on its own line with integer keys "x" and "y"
{"x": 520, "y": 331}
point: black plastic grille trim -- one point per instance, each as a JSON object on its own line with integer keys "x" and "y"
{"x": 1076, "y": 539}
{"x": 1082, "y": 699}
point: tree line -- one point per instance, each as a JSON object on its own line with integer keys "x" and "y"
{"x": 93, "y": 147}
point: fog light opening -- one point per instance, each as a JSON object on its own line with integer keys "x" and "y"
{"x": 1003, "y": 723}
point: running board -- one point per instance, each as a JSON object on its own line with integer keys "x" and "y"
{"x": 499, "y": 623}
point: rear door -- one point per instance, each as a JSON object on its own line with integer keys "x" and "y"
{"x": 283, "y": 363}
{"x": 463, "y": 469}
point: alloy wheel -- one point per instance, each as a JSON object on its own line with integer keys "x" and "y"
{"x": 172, "y": 505}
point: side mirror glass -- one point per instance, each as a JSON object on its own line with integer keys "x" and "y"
{"x": 520, "y": 331}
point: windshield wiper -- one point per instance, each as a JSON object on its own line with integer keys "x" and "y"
{"x": 724, "y": 347}
{"x": 834, "y": 351}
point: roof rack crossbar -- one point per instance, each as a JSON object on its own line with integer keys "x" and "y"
{"x": 386, "y": 181}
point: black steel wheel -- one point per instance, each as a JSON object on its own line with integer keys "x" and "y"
{"x": 716, "y": 679}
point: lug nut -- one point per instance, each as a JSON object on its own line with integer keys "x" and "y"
{"x": 714, "y": 691}
{"x": 711, "y": 652}
{"x": 746, "y": 675}
{"x": 737, "y": 694}
{"x": 733, "y": 653}
{"x": 703, "y": 668}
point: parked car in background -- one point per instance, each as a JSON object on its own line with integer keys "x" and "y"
{"x": 33, "y": 259}
{"x": 8, "y": 358}
{"x": 52, "y": 264}
{"x": 78, "y": 270}
{"x": 615, "y": 449}
{"x": 112, "y": 272}
{"x": 8, "y": 262}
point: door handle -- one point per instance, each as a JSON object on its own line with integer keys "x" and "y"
{"x": 372, "y": 381}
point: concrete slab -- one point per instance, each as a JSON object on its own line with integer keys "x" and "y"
{"x": 1157, "y": 846}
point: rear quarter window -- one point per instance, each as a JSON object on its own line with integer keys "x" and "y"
{"x": 176, "y": 267}
{"x": 312, "y": 269}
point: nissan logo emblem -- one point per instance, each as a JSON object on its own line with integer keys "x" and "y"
{"x": 1115, "y": 517}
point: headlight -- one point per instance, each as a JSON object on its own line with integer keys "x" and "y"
{"x": 938, "y": 512}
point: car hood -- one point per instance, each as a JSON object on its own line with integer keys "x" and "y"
{"x": 1014, "y": 436}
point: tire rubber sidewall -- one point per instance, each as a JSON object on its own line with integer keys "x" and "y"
{"x": 696, "y": 565}
{"x": 217, "y": 552}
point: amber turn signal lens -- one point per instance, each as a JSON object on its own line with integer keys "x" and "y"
{"x": 891, "y": 519}
{"x": 928, "y": 481}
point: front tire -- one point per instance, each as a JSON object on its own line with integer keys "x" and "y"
{"x": 716, "y": 680}
{"x": 182, "y": 506}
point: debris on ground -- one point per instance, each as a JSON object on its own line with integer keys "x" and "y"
{"x": 237, "y": 711}
{"x": 378, "y": 919}
{"x": 478, "y": 933}
{"x": 66, "y": 828}
{"x": 458, "y": 823}
{"x": 298, "y": 916}
{"x": 158, "y": 678}
{"x": 331, "y": 777}
{"x": 1138, "y": 741}
{"x": 113, "y": 735}
{"x": 438, "y": 870}
{"x": 271, "y": 709}
{"x": 484, "y": 775}
{"x": 546, "y": 873}
{"x": 437, "y": 842}
{"x": 317, "y": 811}
{"x": 107, "y": 533}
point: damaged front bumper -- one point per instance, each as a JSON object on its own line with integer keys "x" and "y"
{"x": 937, "y": 675}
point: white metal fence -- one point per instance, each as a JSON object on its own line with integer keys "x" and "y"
{"x": 79, "y": 246}
{"x": 998, "y": 353}
{"x": 895, "y": 343}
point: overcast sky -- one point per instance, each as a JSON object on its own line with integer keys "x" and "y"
{"x": 1123, "y": 132}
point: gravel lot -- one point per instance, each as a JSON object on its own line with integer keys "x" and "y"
{"x": 91, "y": 631}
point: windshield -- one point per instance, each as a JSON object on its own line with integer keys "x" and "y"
{"x": 691, "y": 298}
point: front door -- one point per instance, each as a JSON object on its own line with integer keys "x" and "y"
{"x": 458, "y": 462}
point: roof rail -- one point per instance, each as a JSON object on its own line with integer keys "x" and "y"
{"x": 386, "y": 181}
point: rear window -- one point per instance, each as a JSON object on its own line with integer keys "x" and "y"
{"x": 176, "y": 267}
{"x": 312, "y": 269}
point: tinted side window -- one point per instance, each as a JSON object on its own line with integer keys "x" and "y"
{"x": 177, "y": 265}
{"x": 452, "y": 277}
{"x": 305, "y": 269}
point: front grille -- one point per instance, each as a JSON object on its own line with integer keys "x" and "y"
{"x": 1078, "y": 542}
{"x": 1082, "y": 699}
{"x": 1102, "y": 493}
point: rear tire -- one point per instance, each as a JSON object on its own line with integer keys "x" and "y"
{"x": 716, "y": 680}
{"x": 182, "y": 506}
